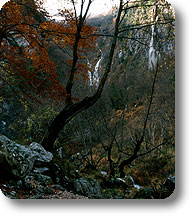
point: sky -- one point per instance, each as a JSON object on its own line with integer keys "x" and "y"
{"x": 177, "y": 206}
{"x": 96, "y": 8}
{"x": 2, "y": 2}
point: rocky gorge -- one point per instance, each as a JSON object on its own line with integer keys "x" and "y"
{"x": 28, "y": 172}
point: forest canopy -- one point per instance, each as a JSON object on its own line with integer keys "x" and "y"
{"x": 97, "y": 91}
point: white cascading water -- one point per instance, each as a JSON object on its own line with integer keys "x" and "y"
{"x": 135, "y": 185}
{"x": 90, "y": 73}
{"x": 120, "y": 53}
{"x": 152, "y": 53}
{"x": 94, "y": 77}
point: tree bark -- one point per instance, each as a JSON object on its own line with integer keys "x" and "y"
{"x": 129, "y": 160}
{"x": 1, "y": 37}
{"x": 70, "y": 110}
{"x": 63, "y": 118}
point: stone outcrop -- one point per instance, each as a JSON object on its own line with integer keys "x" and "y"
{"x": 19, "y": 160}
{"x": 88, "y": 187}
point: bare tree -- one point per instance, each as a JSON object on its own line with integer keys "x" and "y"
{"x": 72, "y": 109}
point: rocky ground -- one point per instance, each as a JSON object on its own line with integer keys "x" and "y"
{"x": 29, "y": 172}
{"x": 13, "y": 191}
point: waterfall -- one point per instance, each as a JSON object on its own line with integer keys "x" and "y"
{"x": 90, "y": 76}
{"x": 135, "y": 186}
{"x": 96, "y": 73}
{"x": 153, "y": 54}
{"x": 94, "y": 77}
{"x": 120, "y": 53}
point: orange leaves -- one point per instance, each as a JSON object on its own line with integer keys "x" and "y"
{"x": 25, "y": 49}
{"x": 56, "y": 33}
{"x": 88, "y": 40}
{"x": 16, "y": 13}
{"x": 26, "y": 36}
{"x": 12, "y": 16}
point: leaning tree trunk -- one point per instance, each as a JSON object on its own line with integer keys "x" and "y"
{"x": 72, "y": 109}
{"x": 63, "y": 118}
{"x": 130, "y": 159}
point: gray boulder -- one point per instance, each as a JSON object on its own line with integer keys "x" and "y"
{"x": 34, "y": 181}
{"x": 19, "y": 159}
{"x": 88, "y": 187}
{"x": 41, "y": 170}
{"x": 42, "y": 155}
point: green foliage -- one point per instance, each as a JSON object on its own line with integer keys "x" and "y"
{"x": 112, "y": 126}
{"x": 31, "y": 127}
{"x": 37, "y": 123}
{"x": 117, "y": 97}
{"x": 111, "y": 193}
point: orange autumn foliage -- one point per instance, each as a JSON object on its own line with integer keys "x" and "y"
{"x": 25, "y": 37}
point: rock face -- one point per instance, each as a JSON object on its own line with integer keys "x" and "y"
{"x": 19, "y": 159}
{"x": 88, "y": 187}
{"x": 33, "y": 169}
{"x": 35, "y": 180}
{"x": 29, "y": 172}
{"x": 42, "y": 156}
{"x": 167, "y": 188}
